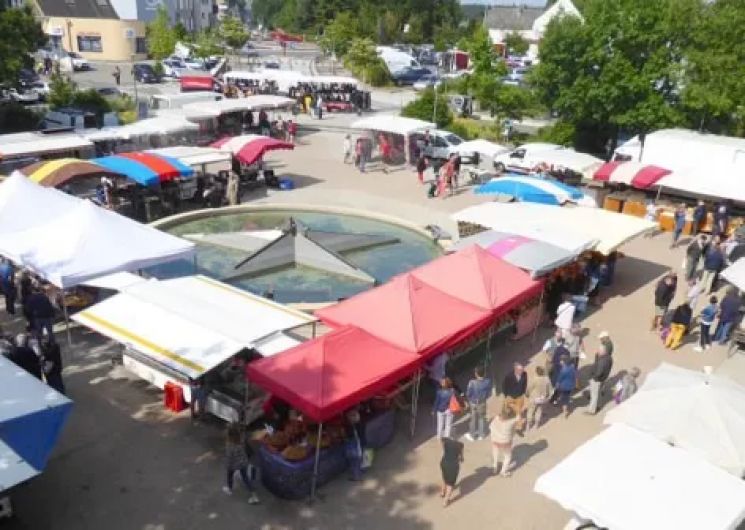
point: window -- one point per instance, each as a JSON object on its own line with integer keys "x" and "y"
{"x": 140, "y": 45}
{"x": 89, "y": 44}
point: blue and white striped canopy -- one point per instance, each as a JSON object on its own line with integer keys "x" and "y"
{"x": 532, "y": 189}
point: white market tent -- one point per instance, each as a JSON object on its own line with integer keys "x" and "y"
{"x": 581, "y": 163}
{"x": 572, "y": 228}
{"x": 67, "y": 241}
{"x": 204, "y": 159}
{"x": 721, "y": 180}
{"x": 485, "y": 149}
{"x": 116, "y": 281}
{"x": 701, "y": 413}
{"x": 194, "y": 323}
{"x": 393, "y": 124}
{"x": 24, "y": 144}
{"x": 228, "y": 105}
{"x": 159, "y": 125}
{"x": 735, "y": 274}
{"x": 623, "y": 479}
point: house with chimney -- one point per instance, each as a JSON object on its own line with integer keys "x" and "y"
{"x": 527, "y": 18}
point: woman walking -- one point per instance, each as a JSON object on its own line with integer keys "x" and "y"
{"x": 442, "y": 410}
{"x": 236, "y": 459}
{"x": 452, "y": 456}
{"x": 566, "y": 382}
{"x": 502, "y": 429}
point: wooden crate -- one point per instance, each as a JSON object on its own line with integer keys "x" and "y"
{"x": 635, "y": 208}
{"x": 614, "y": 204}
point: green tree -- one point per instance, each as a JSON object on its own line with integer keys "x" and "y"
{"x": 516, "y": 44}
{"x": 181, "y": 32}
{"x": 426, "y": 106}
{"x": 233, "y": 32}
{"x": 207, "y": 44}
{"x": 363, "y": 61}
{"x": 61, "y": 91}
{"x": 161, "y": 37}
{"x": 20, "y": 35}
{"x": 339, "y": 34}
{"x": 620, "y": 69}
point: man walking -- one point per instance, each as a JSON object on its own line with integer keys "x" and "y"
{"x": 600, "y": 371}
{"x": 514, "y": 388}
{"x": 699, "y": 214}
{"x": 477, "y": 392}
{"x": 42, "y": 314}
{"x": 713, "y": 264}
{"x": 663, "y": 295}
{"x": 117, "y": 75}
{"x": 565, "y": 317}
{"x": 8, "y": 286}
{"x": 679, "y": 223}
{"x": 729, "y": 313}
{"x": 693, "y": 255}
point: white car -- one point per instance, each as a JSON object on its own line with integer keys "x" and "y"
{"x": 41, "y": 88}
{"x": 441, "y": 143}
{"x": 524, "y": 158}
{"x": 23, "y": 97}
{"x": 426, "y": 82}
{"x": 173, "y": 66}
{"x": 194, "y": 63}
{"x": 78, "y": 61}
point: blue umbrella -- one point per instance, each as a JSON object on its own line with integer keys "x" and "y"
{"x": 531, "y": 189}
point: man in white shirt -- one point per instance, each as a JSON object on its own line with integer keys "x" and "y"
{"x": 565, "y": 317}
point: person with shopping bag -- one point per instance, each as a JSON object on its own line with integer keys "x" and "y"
{"x": 445, "y": 407}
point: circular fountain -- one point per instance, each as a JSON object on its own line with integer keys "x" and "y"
{"x": 299, "y": 254}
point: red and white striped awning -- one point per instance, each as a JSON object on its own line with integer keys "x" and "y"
{"x": 636, "y": 174}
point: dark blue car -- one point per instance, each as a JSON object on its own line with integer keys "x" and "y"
{"x": 410, "y": 75}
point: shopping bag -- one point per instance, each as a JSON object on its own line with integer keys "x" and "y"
{"x": 367, "y": 458}
{"x": 455, "y": 406}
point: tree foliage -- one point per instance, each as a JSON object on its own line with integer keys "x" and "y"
{"x": 20, "y": 35}
{"x": 363, "y": 61}
{"x": 161, "y": 37}
{"x": 233, "y": 32}
{"x": 61, "y": 91}
{"x": 516, "y": 44}
{"x": 426, "y": 106}
{"x": 207, "y": 43}
{"x": 339, "y": 34}
{"x": 385, "y": 19}
{"x": 619, "y": 70}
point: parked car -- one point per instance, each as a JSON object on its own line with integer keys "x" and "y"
{"x": 109, "y": 91}
{"x": 410, "y": 75}
{"x": 23, "y": 96}
{"x": 271, "y": 65}
{"x": 173, "y": 66}
{"x": 249, "y": 50}
{"x": 194, "y": 64}
{"x": 426, "y": 82}
{"x": 441, "y": 143}
{"x": 78, "y": 61}
{"x": 524, "y": 158}
{"x": 41, "y": 88}
{"x": 144, "y": 73}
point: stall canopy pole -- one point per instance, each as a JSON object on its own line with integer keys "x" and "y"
{"x": 659, "y": 191}
{"x": 67, "y": 320}
{"x": 314, "y": 479}
{"x": 415, "y": 401}
{"x": 540, "y": 316}
{"x": 487, "y": 355}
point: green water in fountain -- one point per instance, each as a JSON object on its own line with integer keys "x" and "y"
{"x": 303, "y": 284}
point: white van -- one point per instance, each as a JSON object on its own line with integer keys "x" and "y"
{"x": 524, "y": 158}
{"x": 441, "y": 143}
{"x": 177, "y": 101}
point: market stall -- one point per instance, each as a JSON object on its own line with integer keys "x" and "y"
{"x": 537, "y": 257}
{"x": 21, "y": 149}
{"x": 31, "y": 419}
{"x": 575, "y": 229}
{"x": 696, "y": 411}
{"x": 16, "y": 194}
{"x": 534, "y": 189}
{"x": 322, "y": 379}
{"x": 250, "y": 148}
{"x": 146, "y": 169}
{"x": 398, "y": 131}
{"x": 624, "y": 479}
{"x": 634, "y": 174}
{"x": 195, "y": 327}
{"x": 53, "y": 173}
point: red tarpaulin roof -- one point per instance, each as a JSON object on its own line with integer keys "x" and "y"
{"x": 410, "y": 314}
{"x": 636, "y": 174}
{"x": 325, "y": 376}
{"x": 474, "y": 275}
{"x": 249, "y": 148}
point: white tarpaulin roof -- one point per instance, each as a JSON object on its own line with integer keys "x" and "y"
{"x": 709, "y": 180}
{"x": 701, "y": 413}
{"x": 15, "y": 145}
{"x": 570, "y": 159}
{"x": 484, "y": 148}
{"x": 568, "y": 227}
{"x": 623, "y": 479}
{"x": 194, "y": 156}
{"x": 192, "y": 324}
{"x": 392, "y": 124}
{"x": 228, "y": 105}
{"x": 117, "y": 281}
{"x": 735, "y": 274}
{"x": 68, "y": 240}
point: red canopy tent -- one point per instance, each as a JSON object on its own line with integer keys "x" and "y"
{"x": 409, "y": 313}
{"x": 248, "y": 148}
{"x": 636, "y": 174}
{"x": 476, "y": 276}
{"x": 326, "y": 376}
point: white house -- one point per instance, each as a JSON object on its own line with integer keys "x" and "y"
{"x": 526, "y": 18}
